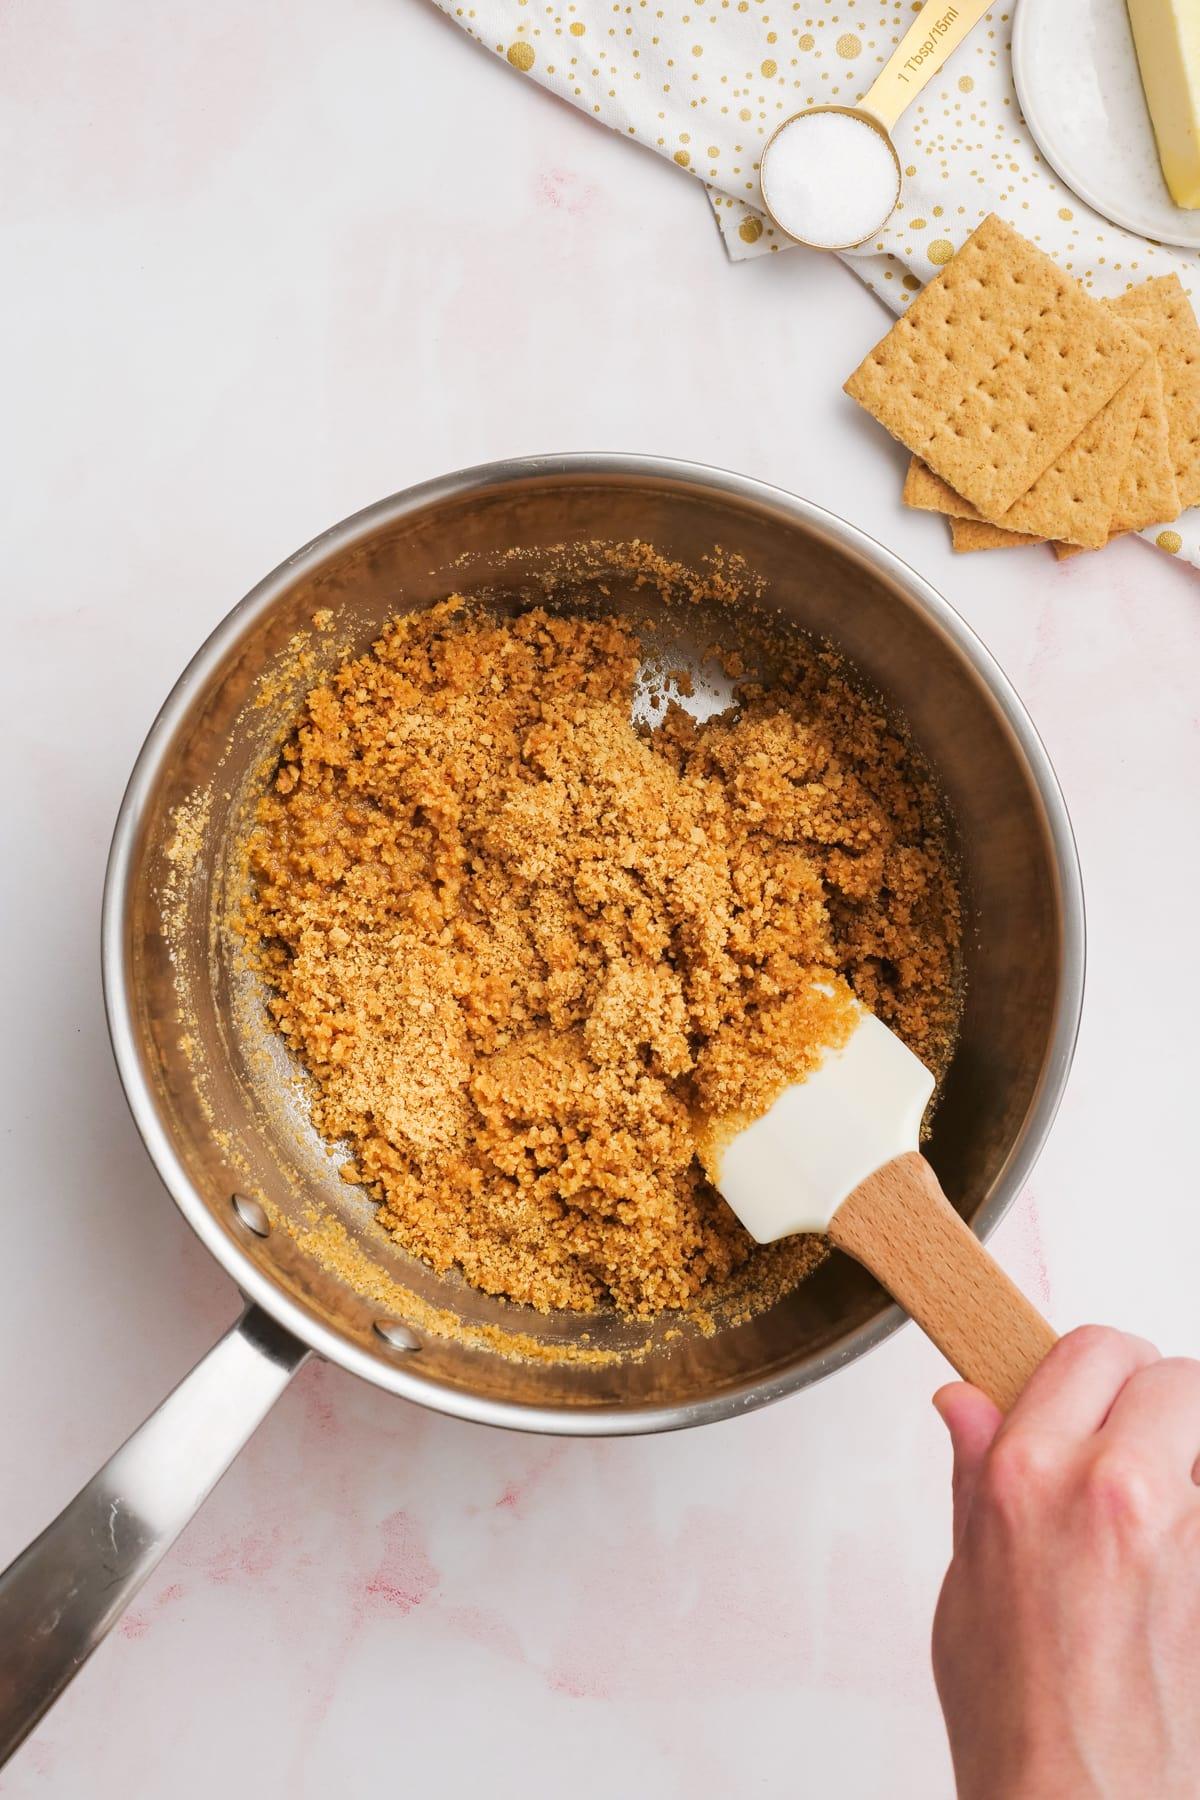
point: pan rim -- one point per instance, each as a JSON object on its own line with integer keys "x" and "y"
{"x": 706, "y": 482}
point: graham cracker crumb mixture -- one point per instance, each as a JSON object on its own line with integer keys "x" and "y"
{"x": 529, "y": 951}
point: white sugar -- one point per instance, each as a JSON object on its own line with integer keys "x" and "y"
{"x": 830, "y": 179}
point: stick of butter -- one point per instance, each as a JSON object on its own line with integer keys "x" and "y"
{"x": 1166, "y": 34}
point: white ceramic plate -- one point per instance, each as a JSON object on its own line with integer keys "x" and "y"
{"x": 1077, "y": 80}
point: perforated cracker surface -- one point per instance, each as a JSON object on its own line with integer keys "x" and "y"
{"x": 1181, "y": 388}
{"x": 1149, "y": 492}
{"x": 996, "y": 367}
{"x": 1075, "y": 498}
{"x": 1082, "y": 497}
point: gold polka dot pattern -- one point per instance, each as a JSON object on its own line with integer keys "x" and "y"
{"x": 705, "y": 83}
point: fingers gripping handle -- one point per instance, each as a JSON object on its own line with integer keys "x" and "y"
{"x": 62, "y": 1595}
{"x": 901, "y": 1226}
{"x": 934, "y": 34}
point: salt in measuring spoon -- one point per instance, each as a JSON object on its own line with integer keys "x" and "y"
{"x": 830, "y": 175}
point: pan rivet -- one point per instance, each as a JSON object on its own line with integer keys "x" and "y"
{"x": 398, "y": 1336}
{"x": 252, "y": 1214}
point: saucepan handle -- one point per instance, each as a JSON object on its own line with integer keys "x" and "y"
{"x": 63, "y": 1594}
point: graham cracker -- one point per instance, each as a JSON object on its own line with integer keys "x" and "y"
{"x": 996, "y": 367}
{"x": 929, "y": 493}
{"x": 979, "y": 534}
{"x": 1076, "y": 498}
{"x": 1149, "y": 492}
{"x": 1181, "y": 388}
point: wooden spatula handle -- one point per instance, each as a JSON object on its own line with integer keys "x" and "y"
{"x": 900, "y": 1225}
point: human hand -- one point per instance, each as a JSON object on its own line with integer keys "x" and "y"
{"x": 1066, "y": 1644}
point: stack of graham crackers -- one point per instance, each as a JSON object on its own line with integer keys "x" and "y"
{"x": 1034, "y": 412}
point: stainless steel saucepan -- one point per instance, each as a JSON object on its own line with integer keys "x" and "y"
{"x": 215, "y": 1103}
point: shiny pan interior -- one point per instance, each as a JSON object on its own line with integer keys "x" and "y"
{"x": 216, "y": 1100}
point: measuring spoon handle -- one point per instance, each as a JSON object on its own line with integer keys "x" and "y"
{"x": 936, "y": 32}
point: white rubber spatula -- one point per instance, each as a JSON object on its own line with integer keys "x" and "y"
{"x": 838, "y": 1154}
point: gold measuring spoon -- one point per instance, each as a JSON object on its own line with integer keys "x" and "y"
{"x": 830, "y": 175}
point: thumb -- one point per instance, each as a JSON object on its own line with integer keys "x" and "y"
{"x": 972, "y": 1421}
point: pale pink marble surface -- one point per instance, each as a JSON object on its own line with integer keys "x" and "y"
{"x": 260, "y": 266}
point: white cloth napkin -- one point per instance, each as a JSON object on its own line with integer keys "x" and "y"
{"x": 705, "y": 82}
